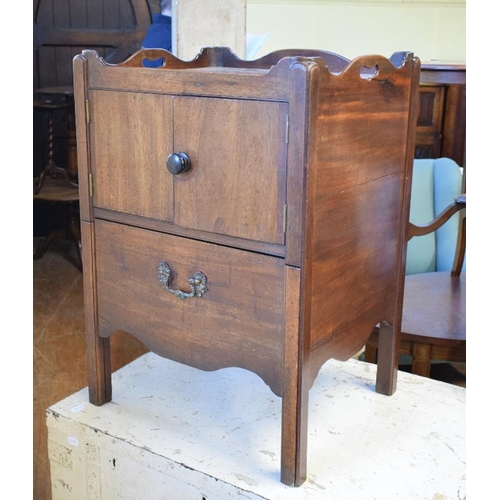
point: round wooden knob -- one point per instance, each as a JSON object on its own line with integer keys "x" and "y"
{"x": 178, "y": 163}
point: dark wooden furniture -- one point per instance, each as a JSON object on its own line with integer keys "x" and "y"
{"x": 51, "y": 169}
{"x": 434, "y": 307}
{"x": 441, "y": 115}
{"x": 60, "y": 31}
{"x": 63, "y": 95}
{"x": 57, "y": 185}
{"x": 58, "y": 192}
{"x": 246, "y": 213}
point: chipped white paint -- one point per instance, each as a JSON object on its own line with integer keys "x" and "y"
{"x": 177, "y": 433}
{"x": 73, "y": 441}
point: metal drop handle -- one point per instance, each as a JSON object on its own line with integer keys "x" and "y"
{"x": 197, "y": 283}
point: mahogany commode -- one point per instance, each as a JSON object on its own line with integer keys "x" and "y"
{"x": 246, "y": 213}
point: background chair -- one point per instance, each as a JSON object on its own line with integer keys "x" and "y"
{"x": 433, "y": 326}
{"x": 435, "y": 185}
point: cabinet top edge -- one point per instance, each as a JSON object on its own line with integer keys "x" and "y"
{"x": 223, "y": 60}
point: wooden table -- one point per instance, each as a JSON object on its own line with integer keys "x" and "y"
{"x": 59, "y": 191}
{"x": 51, "y": 99}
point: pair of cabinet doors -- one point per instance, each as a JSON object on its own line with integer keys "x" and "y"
{"x": 235, "y": 147}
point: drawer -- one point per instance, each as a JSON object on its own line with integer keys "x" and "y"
{"x": 237, "y": 321}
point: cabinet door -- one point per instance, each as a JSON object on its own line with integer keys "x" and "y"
{"x": 131, "y": 135}
{"x": 236, "y": 183}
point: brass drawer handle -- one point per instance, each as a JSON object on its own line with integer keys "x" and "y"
{"x": 198, "y": 283}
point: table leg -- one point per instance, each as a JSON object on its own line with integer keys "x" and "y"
{"x": 387, "y": 359}
{"x": 421, "y": 359}
{"x": 295, "y": 390}
{"x": 98, "y": 348}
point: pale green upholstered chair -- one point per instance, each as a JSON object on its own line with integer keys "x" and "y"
{"x": 435, "y": 185}
{"x": 433, "y": 326}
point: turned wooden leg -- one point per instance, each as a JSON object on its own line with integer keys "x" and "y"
{"x": 387, "y": 359}
{"x": 421, "y": 359}
{"x": 295, "y": 392}
{"x": 370, "y": 353}
{"x": 74, "y": 227}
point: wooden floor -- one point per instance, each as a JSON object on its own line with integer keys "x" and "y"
{"x": 59, "y": 347}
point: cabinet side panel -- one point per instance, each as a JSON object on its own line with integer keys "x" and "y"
{"x": 357, "y": 194}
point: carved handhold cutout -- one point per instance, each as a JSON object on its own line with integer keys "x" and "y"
{"x": 368, "y": 73}
{"x": 153, "y": 63}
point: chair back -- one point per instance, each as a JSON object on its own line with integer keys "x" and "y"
{"x": 436, "y": 183}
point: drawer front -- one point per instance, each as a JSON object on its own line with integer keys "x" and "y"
{"x": 237, "y": 321}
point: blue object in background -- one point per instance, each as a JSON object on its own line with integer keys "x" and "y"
{"x": 158, "y": 36}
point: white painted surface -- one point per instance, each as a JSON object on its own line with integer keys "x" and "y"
{"x": 177, "y": 433}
